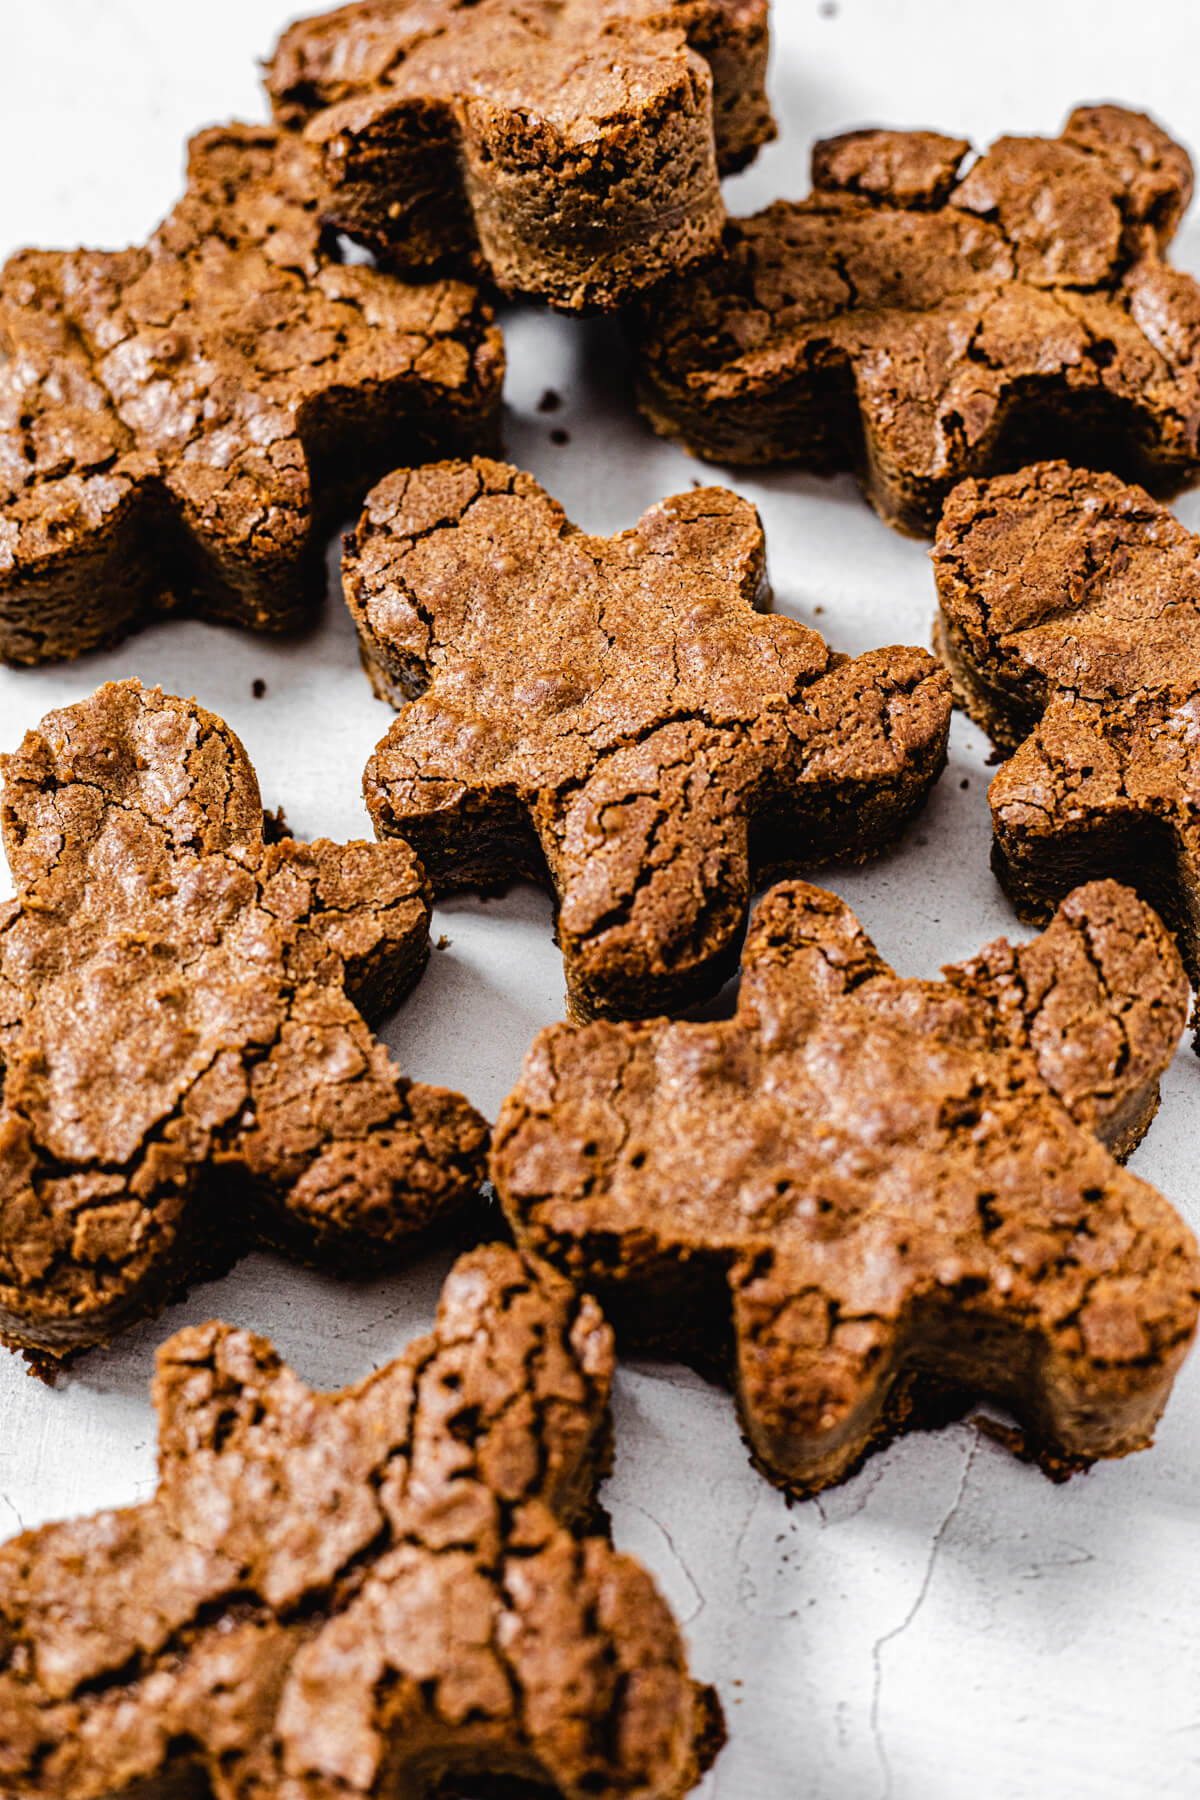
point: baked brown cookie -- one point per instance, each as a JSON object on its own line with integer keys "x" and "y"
{"x": 919, "y": 326}
{"x": 178, "y": 423}
{"x": 376, "y": 1592}
{"x": 613, "y": 717}
{"x": 1070, "y": 620}
{"x": 184, "y": 1056}
{"x": 566, "y": 149}
{"x": 890, "y": 1187}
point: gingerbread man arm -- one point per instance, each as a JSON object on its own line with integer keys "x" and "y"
{"x": 325, "y": 1584}
{"x": 804, "y": 949}
{"x": 902, "y": 168}
{"x": 1100, "y": 998}
{"x": 342, "y": 1151}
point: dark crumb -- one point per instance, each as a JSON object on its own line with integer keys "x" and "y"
{"x": 559, "y": 436}
{"x": 550, "y": 401}
{"x": 43, "y": 1367}
{"x": 696, "y": 481}
{"x": 818, "y": 610}
{"x": 965, "y": 782}
{"x": 995, "y": 756}
{"x": 275, "y": 826}
{"x": 1059, "y": 1465}
{"x": 258, "y": 688}
{"x": 443, "y": 943}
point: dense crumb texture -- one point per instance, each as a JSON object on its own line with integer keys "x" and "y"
{"x": 918, "y": 326}
{"x": 377, "y": 1592}
{"x": 178, "y": 422}
{"x": 1070, "y": 619}
{"x": 880, "y": 1188}
{"x": 615, "y": 717}
{"x": 567, "y": 149}
{"x": 184, "y": 1057}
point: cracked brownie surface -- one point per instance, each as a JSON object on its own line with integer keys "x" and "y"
{"x": 184, "y": 1057}
{"x": 873, "y": 1189}
{"x": 613, "y": 717}
{"x": 919, "y": 325}
{"x": 177, "y": 422}
{"x": 1070, "y": 619}
{"x": 376, "y": 1592}
{"x": 568, "y": 149}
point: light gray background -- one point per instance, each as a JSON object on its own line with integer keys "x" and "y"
{"x": 948, "y": 1623}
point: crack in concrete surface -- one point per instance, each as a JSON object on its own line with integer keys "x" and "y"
{"x": 701, "y": 1599}
{"x": 897, "y": 1631}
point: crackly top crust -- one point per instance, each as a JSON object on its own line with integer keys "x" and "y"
{"x": 1057, "y": 580}
{"x": 177, "y": 997}
{"x": 565, "y": 149}
{"x": 219, "y": 374}
{"x": 577, "y": 67}
{"x": 618, "y": 707}
{"x": 890, "y": 1175}
{"x": 329, "y": 1591}
{"x": 1070, "y": 616}
{"x": 940, "y": 310}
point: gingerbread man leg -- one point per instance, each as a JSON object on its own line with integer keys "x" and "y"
{"x": 1077, "y": 801}
{"x": 345, "y": 1152}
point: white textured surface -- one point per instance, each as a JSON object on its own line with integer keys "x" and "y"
{"x": 948, "y": 1623}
